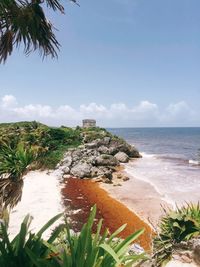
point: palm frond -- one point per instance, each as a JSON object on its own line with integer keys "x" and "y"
{"x": 11, "y": 192}
{"x": 23, "y": 22}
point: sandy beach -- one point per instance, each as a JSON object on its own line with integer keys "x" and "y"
{"x": 41, "y": 199}
{"x": 135, "y": 203}
{"x": 132, "y": 203}
{"x": 139, "y": 196}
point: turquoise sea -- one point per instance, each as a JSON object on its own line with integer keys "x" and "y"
{"x": 171, "y": 160}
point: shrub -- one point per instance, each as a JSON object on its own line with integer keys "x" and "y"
{"x": 175, "y": 227}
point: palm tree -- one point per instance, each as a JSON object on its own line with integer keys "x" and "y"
{"x": 14, "y": 163}
{"x": 24, "y": 22}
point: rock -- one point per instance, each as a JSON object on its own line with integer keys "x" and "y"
{"x": 66, "y": 170}
{"x": 119, "y": 176}
{"x": 108, "y": 181}
{"x": 176, "y": 263}
{"x": 122, "y": 157}
{"x": 117, "y": 184}
{"x": 66, "y": 176}
{"x": 90, "y": 159}
{"x": 81, "y": 146}
{"x": 106, "y": 140}
{"x": 98, "y": 142}
{"x": 67, "y": 161}
{"x": 91, "y": 145}
{"x": 81, "y": 170}
{"x": 105, "y": 172}
{"x": 196, "y": 254}
{"x": 95, "y": 172}
{"x": 106, "y": 160}
{"x": 133, "y": 152}
{"x": 77, "y": 153}
{"x": 99, "y": 179}
{"x": 112, "y": 150}
{"x": 125, "y": 178}
{"x": 103, "y": 150}
{"x": 121, "y": 146}
{"x": 186, "y": 259}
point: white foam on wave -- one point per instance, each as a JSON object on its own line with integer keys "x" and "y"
{"x": 194, "y": 162}
{"x": 145, "y": 155}
{"x": 164, "y": 197}
{"x": 175, "y": 183}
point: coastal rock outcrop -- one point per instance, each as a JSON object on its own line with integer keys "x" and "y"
{"x": 97, "y": 157}
{"x": 106, "y": 160}
{"x": 186, "y": 254}
{"x": 122, "y": 157}
{"x": 81, "y": 170}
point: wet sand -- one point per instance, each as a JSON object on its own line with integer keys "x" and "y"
{"x": 140, "y": 197}
{"x": 81, "y": 195}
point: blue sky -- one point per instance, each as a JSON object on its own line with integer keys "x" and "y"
{"x": 123, "y": 62}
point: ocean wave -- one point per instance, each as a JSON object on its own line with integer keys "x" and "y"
{"x": 147, "y": 155}
{"x": 194, "y": 162}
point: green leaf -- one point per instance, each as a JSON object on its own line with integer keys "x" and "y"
{"x": 48, "y": 224}
{"x": 109, "y": 250}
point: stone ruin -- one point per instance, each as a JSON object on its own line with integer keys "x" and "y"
{"x": 89, "y": 123}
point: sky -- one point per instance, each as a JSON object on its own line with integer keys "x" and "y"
{"x": 125, "y": 63}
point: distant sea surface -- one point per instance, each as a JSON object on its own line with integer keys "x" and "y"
{"x": 171, "y": 160}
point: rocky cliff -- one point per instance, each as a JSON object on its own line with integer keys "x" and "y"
{"x": 98, "y": 156}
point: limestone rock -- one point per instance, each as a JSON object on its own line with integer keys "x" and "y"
{"x": 122, "y": 157}
{"x": 105, "y": 172}
{"x": 81, "y": 170}
{"x": 103, "y": 150}
{"x": 95, "y": 172}
{"x": 196, "y": 252}
{"x": 106, "y": 160}
{"x": 65, "y": 169}
{"x": 125, "y": 178}
{"x": 67, "y": 161}
{"x": 121, "y": 146}
{"x": 66, "y": 176}
{"x": 106, "y": 140}
{"x": 119, "y": 175}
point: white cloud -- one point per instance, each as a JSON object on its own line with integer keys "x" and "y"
{"x": 31, "y": 111}
{"x": 117, "y": 114}
{"x": 179, "y": 112}
{"x": 145, "y": 106}
{"x": 8, "y": 101}
{"x": 178, "y": 108}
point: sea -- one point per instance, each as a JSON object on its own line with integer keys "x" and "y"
{"x": 170, "y": 161}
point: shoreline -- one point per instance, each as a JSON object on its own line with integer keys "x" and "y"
{"x": 117, "y": 205}
{"x": 145, "y": 201}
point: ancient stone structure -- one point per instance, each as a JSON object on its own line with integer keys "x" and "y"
{"x": 89, "y": 123}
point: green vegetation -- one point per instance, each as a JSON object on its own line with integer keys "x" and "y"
{"x": 175, "y": 227}
{"x": 14, "y": 160}
{"x": 47, "y": 144}
{"x": 65, "y": 250}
